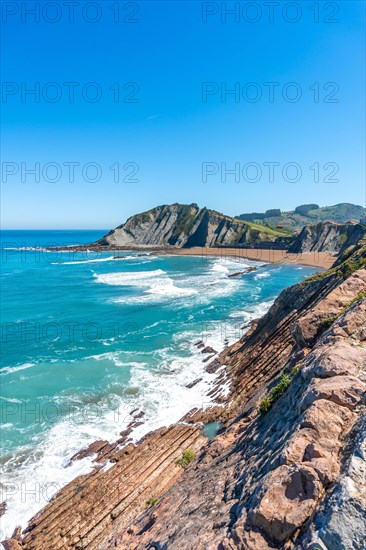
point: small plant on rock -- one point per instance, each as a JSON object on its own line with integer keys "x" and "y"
{"x": 295, "y": 369}
{"x": 265, "y": 405}
{"x": 151, "y": 501}
{"x": 328, "y": 321}
{"x": 275, "y": 393}
{"x": 186, "y": 458}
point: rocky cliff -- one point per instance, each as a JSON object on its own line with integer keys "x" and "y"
{"x": 181, "y": 225}
{"x": 327, "y": 237}
{"x": 287, "y": 468}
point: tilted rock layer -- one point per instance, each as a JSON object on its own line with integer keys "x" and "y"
{"x": 292, "y": 476}
{"x": 183, "y": 225}
{"x": 325, "y": 237}
{"x": 283, "y": 480}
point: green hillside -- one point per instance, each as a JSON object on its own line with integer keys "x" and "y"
{"x": 304, "y": 215}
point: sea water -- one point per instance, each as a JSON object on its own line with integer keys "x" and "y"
{"x": 88, "y": 339}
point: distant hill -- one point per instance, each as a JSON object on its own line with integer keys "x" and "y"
{"x": 306, "y": 214}
{"x": 187, "y": 225}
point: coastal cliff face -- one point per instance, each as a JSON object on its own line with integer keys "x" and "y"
{"x": 287, "y": 468}
{"x": 325, "y": 237}
{"x": 293, "y": 477}
{"x": 184, "y": 226}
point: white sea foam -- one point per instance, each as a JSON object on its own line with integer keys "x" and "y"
{"x": 160, "y": 379}
{"x": 129, "y": 278}
{"x": 11, "y": 399}
{"x": 156, "y": 284}
{"x": 77, "y": 262}
{"x": 262, "y": 275}
{"x": 9, "y": 370}
{"x": 167, "y": 288}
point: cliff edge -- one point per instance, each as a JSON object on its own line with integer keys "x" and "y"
{"x": 287, "y": 467}
{"x": 185, "y": 226}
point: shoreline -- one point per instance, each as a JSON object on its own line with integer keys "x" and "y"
{"x": 323, "y": 260}
{"x": 168, "y": 442}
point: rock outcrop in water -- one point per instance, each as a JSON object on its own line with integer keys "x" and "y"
{"x": 182, "y": 225}
{"x": 287, "y": 468}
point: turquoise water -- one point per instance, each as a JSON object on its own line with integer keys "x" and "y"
{"x": 87, "y": 339}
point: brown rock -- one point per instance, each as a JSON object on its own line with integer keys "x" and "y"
{"x": 347, "y": 391}
{"x": 289, "y": 497}
{"x": 11, "y": 544}
{"x": 208, "y": 349}
{"x": 94, "y": 447}
{"x": 192, "y": 384}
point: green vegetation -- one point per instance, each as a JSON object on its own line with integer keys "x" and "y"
{"x": 295, "y": 369}
{"x": 275, "y": 393}
{"x": 151, "y": 501}
{"x": 328, "y": 321}
{"x": 186, "y": 458}
{"x": 342, "y": 239}
{"x": 185, "y": 221}
{"x": 351, "y": 260}
{"x": 304, "y": 209}
{"x": 350, "y": 266}
{"x": 307, "y": 214}
{"x": 265, "y": 229}
{"x": 265, "y": 405}
{"x": 357, "y": 298}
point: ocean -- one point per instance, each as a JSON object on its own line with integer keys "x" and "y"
{"x": 87, "y": 339}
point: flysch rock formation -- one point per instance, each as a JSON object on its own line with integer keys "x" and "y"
{"x": 327, "y": 237}
{"x": 291, "y": 476}
{"x": 181, "y": 225}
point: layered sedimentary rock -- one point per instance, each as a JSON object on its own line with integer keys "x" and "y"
{"x": 285, "y": 479}
{"x": 291, "y": 476}
{"x": 326, "y": 237}
{"x": 186, "y": 226}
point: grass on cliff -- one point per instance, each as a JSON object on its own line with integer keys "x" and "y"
{"x": 275, "y": 393}
{"x": 265, "y": 229}
{"x": 186, "y": 458}
{"x": 151, "y": 502}
{"x": 351, "y": 260}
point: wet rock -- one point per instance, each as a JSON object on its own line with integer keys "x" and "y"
{"x": 238, "y": 273}
{"x": 213, "y": 366}
{"x": 93, "y": 448}
{"x": 209, "y": 349}
{"x": 192, "y": 384}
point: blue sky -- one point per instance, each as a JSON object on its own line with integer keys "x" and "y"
{"x": 169, "y": 131}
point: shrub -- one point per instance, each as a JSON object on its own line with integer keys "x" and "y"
{"x": 274, "y": 212}
{"x": 265, "y": 405}
{"x": 328, "y": 321}
{"x": 151, "y": 501}
{"x": 275, "y": 393}
{"x": 278, "y": 390}
{"x": 304, "y": 209}
{"x": 186, "y": 458}
{"x": 295, "y": 369}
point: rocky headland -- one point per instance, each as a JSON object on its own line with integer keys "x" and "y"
{"x": 285, "y": 464}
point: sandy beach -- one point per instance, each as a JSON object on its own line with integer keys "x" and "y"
{"x": 314, "y": 259}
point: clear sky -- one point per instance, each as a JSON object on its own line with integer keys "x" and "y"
{"x": 171, "y": 134}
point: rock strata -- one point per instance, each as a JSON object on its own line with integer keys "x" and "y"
{"x": 286, "y": 476}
